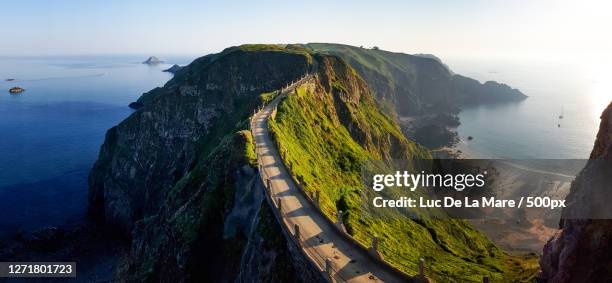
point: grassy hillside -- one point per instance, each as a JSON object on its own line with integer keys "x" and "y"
{"x": 416, "y": 84}
{"x": 402, "y": 83}
{"x": 326, "y": 131}
{"x": 174, "y": 175}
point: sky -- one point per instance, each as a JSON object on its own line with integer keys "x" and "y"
{"x": 492, "y": 28}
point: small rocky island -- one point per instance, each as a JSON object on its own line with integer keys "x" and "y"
{"x": 9, "y": 80}
{"x": 152, "y": 61}
{"x": 175, "y": 68}
{"x": 15, "y": 90}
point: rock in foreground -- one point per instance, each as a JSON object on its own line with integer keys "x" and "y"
{"x": 581, "y": 251}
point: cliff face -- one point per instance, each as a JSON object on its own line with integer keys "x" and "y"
{"x": 415, "y": 85}
{"x": 603, "y": 143}
{"x": 470, "y": 91}
{"x": 179, "y": 125}
{"x": 581, "y": 252}
{"x": 178, "y": 176}
{"x": 419, "y": 88}
{"x": 207, "y": 222}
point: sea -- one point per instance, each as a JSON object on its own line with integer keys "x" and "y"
{"x": 51, "y": 133}
{"x": 533, "y": 128}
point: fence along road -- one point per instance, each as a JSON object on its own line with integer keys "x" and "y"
{"x": 334, "y": 256}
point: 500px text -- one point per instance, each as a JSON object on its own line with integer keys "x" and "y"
{"x": 450, "y": 202}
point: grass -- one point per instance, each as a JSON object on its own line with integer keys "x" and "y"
{"x": 326, "y": 141}
{"x": 401, "y": 82}
{"x": 266, "y": 97}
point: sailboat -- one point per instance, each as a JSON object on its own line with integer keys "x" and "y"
{"x": 561, "y": 115}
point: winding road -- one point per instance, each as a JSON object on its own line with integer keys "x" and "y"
{"x": 319, "y": 239}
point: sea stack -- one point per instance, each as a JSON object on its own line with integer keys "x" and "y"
{"x": 152, "y": 61}
{"x": 15, "y": 90}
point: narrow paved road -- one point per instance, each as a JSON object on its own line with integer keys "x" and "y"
{"x": 321, "y": 239}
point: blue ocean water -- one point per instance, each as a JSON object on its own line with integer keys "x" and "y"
{"x": 531, "y": 129}
{"x": 51, "y": 133}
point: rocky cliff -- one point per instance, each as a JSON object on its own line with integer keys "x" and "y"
{"x": 417, "y": 84}
{"x": 581, "y": 252}
{"x": 178, "y": 126}
{"x": 178, "y": 176}
{"x": 420, "y": 90}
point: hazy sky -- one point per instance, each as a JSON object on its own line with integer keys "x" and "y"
{"x": 556, "y": 29}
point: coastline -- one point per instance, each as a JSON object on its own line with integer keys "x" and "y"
{"x": 449, "y": 152}
{"x": 526, "y": 234}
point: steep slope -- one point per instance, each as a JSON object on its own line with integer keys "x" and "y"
{"x": 416, "y": 84}
{"x": 581, "y": 252}
{"x": 419, "y": 90}
{"x": 326, "y": 131}
{"x": 179, "y": 125}
{"x": 178, "y": 176}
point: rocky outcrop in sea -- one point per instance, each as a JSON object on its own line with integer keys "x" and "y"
{"x": 152, "y": 61}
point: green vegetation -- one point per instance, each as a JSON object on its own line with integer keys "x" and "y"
{"x": 327, "y": 131}
{"x": 266, "y": 97}
{"x": 272, "y": 236}
{"x": 193, "y": 212}
{"x": 234, "y": 151}
{"x": 403, "y": 84}
{"x": 192, "y": 153}
{"x": 189, "y": 138}
{"x": 288, "y": 48}
{"x": 261, "y": 47}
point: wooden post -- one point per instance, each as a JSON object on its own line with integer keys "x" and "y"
{"x": 279, "y": 204}
{"x": 340, "y": 222}
{"x": 317, "y": 199}
{"x": 328, "y": 269}
{"x": 269, "y": 184}
{"x": 422, "y": 268}
{"x": 374, "y": 248}
{"x": 296, "y": 233}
